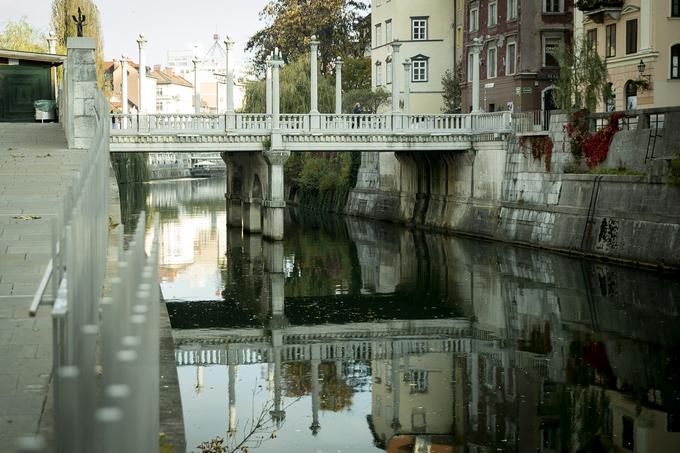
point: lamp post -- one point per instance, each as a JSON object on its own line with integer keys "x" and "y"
{"x": 197, "y": 94}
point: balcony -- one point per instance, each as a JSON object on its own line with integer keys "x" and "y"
{"x": 597, "y": 10}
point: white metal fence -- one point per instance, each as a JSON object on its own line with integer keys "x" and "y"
{"x": 119, "y": 411}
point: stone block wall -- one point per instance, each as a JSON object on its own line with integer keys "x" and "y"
{"x": 81, "y": 82}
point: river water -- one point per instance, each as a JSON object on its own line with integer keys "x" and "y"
{"x": 360, "y": 336}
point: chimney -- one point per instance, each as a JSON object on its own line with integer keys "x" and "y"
{"x": 169, "y": 70}
{"x": 157, "y": 68}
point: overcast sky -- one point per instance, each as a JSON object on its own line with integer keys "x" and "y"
{"x": 167, "y": 24}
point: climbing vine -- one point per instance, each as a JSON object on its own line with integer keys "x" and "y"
{"x": 593, "y": 147}
{"x": 541, "y": 147}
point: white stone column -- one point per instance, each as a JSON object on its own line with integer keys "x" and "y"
{"x": 407, "y": 84}
{"x": 52, "y": 45}
{"x": 233, "y": 370}
{"x": 646, "y": 24}
{"x": 476, "y": 48}
{"x": 268, "y": 86}
{"x": 275, "y": 202}
{"x": 395, "y": 79}
{"x": 314, "y": 119}
{"x": 338, "y": 86}
{"x": 275, "y": 63}
{"x": 124, "y": 90}
{"x": 231, "y": 119}
{"x": 197, "y": 94}
{"x": 315, "y": 362}
{"x": 141, "y": 42}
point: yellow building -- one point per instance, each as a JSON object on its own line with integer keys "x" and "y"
{"x": 431, "y": 34}
{"x": 640, "y": 42}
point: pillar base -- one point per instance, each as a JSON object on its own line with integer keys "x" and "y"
{"x": 273, "y": 223}
{"x": 234, "y": 212}
{"x": 252, "y": 217}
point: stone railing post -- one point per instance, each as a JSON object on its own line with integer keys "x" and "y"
{"x": 276, "y": 64}
{"x": 197, "y": 93}
{"x": 141, "y": 42}
{"x": 231, "y": 118}
{"x": 338, "y": 86}
{"x": 407, "y": 85}
{"x": 82, "y": 87}
{"x": 396, "y": 123}
{"x": 476, "y": 48}
{"x": 314, "y": 120}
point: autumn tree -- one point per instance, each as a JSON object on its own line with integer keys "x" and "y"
{"x": 340, "y": 26}
{"x": 64, "y": 26}
{"x": 20, "y": 35}
{"x": 451, "y": 81}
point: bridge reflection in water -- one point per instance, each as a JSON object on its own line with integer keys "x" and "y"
{"x": 390, "y": 336}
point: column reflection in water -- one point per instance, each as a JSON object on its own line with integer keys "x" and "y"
{"x": 387, "y": 338}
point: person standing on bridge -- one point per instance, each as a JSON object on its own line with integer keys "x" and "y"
{"x": 357, "y": 111}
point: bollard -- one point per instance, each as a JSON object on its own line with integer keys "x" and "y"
{"x": 32, "y": 444}
{"x": 67, "y": 421}
{"x": 87, "y": 388}
{"x": 109, "y": 433}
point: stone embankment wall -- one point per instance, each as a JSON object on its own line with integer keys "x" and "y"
{"x": 498, "y": 190}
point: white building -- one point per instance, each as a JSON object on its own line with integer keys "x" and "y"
{"x": 426, "y": 31}
{"x": 174, "y": 94}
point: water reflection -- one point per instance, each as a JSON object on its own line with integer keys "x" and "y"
{"x": 362, "y": 336}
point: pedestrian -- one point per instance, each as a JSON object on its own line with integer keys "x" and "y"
{"x": 357, "y": 111}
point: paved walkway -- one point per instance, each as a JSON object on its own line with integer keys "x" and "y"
{"x": 36, "y": 170}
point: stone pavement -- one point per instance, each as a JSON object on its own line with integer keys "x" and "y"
{"x": 36, "y": 169}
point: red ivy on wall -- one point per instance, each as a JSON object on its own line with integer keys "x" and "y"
{"x": 540, "y": 147}
{"x": 591, "y": 146}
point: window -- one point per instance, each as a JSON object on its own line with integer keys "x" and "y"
{"x": 550, "y": 45}
{"x": 469, "y": 67}
{"x": 628, "y": 433}
{"x": 388, "y": 70}
{"x": 493, "y": 13}
{"x": 474, "y": 19}
{"x": 552, "y": 6}
{"x": 512, "y": 9}
{"x": 631, "y": 36}
{"x": 378, "y": 37}
{"x": 377, "y": 2}
{"x": 491, "y": 63}
{"x": 417, "y": 380}
{"x": 419, "y": 28}
{"x": 591, "y": 37}
{"x": 378, "y": 74}
{"x": 159, "y": 106}
{"x": 675, "y": 62}
{"x": 419, "y": 69}
{"x": 610, "y": 49}
{"x": 675, "y": 8}
{"x": 388, "y": 31}
{"x": 510, "y": 58}
{"x": 159, "y": 91}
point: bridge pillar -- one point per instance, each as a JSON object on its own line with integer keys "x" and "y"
{"x": 476, "y": 48}
{"x": 274, "y": 203}
{"x": 229, "y": 76}
{"x": 407, "y": 84}
{"x": 252, "y": 216}
{"x": 338, "y": 86}
{"x": 314, "y": 119}
{"x": 315, "y": 362}
{"x": 396, "y": 117}
{"x": 141, "y": 42}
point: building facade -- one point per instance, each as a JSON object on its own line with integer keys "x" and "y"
{"x": 431, "y": 37}
{"x": 113, "y": 75}
{"x": 174, "y": 94}
{"x": 517, "y": 63}
{"x": 640, "y": 43}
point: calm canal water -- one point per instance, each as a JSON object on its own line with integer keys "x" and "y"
{"x": 359, "y": 336}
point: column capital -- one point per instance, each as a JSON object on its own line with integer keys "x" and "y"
{"x": 338, "y": 62}
{"x": 313, "y": 42}
{"x": 141, "y": 41}
{"x": 276, "y": 157}
{"x": 396, "y": 44}
{"x": 123, "y": 60}
{"x": 407, "y": 63}
{"x": 476, "y": 46}
{"x": 52, "y": 42}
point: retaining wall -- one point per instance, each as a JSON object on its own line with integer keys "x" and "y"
{"x": 499, "y": 190}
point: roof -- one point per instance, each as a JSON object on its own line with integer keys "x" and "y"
{"x": 32, "y": 56}
{"x": 165, "y": 78}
